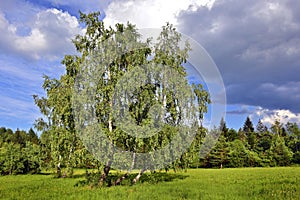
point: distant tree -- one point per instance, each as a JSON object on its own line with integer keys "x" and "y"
{"x": 20, "y": 138}
{"x": 260, "y": 127}
{"x": 8, "y": 136}
{"x": 45, "y": 150}
{"x": 2, "y": 130}
{"x": 241, "y": 135}
{"x": 253, "y": 159}
{"x": 223, "y": 127}
{"x": 238, "y": 154}
{"x": 2, "y": 136}
{"x": 11, "y": 159}
{"x": 251, "y": 136}
{"x": 279, "y": 153}
{"x": 252, "y": 140}
{"x": 231, "y": 135}
{"x": 218, "y": 156}
{"x": 296, "y": 157}
{"x": 278, "y": 129}
{"x": 248, "y": 126}
{"x": 293, "y": 131}
{"x": 14, "y": 158}
{"x": 265, "y": 141}
{"x": 32, "y": 137}
{"x": 9, "y": 131}
{"x": 31, "y": 158}
{"x": 192, "y": 156}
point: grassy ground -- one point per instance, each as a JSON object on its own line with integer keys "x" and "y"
{"x": 248, "y": 183}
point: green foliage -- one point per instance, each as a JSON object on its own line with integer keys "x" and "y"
{"x": 264, "y": 141}
{"x": 238, "y": 154}
{"x": 32, "y": 137}
{"x": 248, "y": 126}
{"x": 279, "y": 153}
{"x": 192, "y": 155}
{"x": 231, "y": 135}
{"x": 255, "y": 149}
{"x": 31, "y": 158}
{"x": 18, "y": 155}
{"x": 17, "y": 160}
{"x": 296, "y": 157}
{"x": 11, "y": 159}
{"x": 218, "y": 156}
{"x": 278, "y": 129}
{"x": 223, "y": 127}
{"x": 260, "y": 127}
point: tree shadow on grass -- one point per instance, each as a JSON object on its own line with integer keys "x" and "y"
{"x": 78, "y": 176}
{"x": 45, "y": 173}
{"x": 158, "y": 177}
{"x": 91, "y": 179}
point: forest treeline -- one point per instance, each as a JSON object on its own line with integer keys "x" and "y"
{"x": 24, "y": 152}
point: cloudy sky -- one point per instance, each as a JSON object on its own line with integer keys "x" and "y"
{"x": 255, "y": 44}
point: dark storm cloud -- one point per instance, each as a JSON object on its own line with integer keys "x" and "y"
{"x": 256, "y": 45}
{"x": 267, "y": 95}
{"x": 242, "y": 111}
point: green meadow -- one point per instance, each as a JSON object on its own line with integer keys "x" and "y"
{"x": 239, "y": 183}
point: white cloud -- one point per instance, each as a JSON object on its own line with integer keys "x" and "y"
{"x": 268, "y": 117}
{"x": 49, "y": 37}
{"x": 150, "y": 13}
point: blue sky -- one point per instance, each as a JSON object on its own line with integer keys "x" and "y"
{"x": 255, "y": 45}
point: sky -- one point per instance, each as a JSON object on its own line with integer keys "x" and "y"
{"x": 255, "y": 45}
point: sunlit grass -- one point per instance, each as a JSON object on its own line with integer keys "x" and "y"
{"x": 248, "y": 183}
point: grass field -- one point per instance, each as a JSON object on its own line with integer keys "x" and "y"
{"x": 248, "y": 183}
